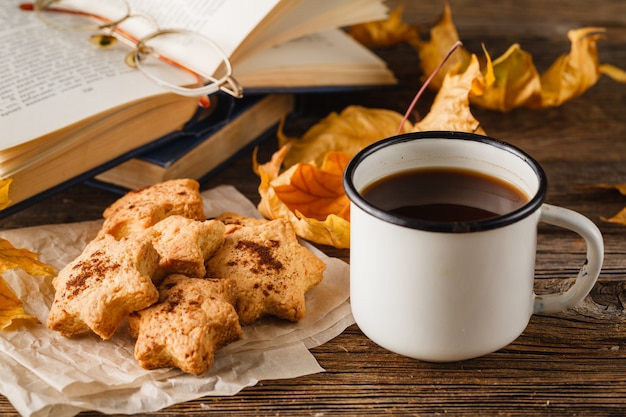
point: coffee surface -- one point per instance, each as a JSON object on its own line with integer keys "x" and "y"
{"x": 445, "y": 195}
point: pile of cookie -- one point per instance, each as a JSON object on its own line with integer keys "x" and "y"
{"x": 184, "y": 283}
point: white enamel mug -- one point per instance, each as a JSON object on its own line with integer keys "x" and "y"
{"x": 453, "y": 291}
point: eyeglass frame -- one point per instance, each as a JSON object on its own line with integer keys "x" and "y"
{"x": 227, "y": 83}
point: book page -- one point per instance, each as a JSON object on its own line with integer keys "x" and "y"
{"x": 312, "y": 56}
{"x": 225, "y": 22}
{"x": 311, "y": 16}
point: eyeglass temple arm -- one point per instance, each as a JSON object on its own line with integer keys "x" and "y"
{"x": 232, "y": 87}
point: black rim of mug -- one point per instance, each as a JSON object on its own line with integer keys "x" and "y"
{"x": 450, "y": 227}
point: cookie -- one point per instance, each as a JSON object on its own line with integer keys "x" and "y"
{"x": 193, "y": 318}
{"x": 139, "y": 209}
{"x": 271, "y": 269}
{"x": 101, "y": 287}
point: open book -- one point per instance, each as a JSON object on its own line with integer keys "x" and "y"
{"x": 67, "y": 107}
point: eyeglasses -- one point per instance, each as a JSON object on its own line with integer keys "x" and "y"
{"x": 182, "y": 61}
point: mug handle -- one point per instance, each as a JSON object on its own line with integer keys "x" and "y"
{"x": 571, "y": 220}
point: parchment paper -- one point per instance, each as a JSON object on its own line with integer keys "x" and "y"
{"x": 44, "y": 374}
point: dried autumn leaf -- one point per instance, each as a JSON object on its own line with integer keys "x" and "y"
{"x": 317, "y": 192}
{"x": 613, "y": 72}
{"x": 451, "y": 107}
{"x": 515, "y": 81}
{"x": 619, "y": 187}
{"x": 11, "y": 258}
{"x": 572, "y": 74}
{"x": 329, "y": 229}
{"x": 384, "y": 33}
{"x": 443, "y": 35}
{"x": 619, "y": 218}
{"x": 319, "y": 211}
{"x": 11, "y": 307}
{"x": 349, "y": 132}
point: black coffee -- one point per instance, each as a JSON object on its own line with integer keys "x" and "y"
{"x": 445, "y": 195}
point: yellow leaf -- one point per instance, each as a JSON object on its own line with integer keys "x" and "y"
{"x": 268, "y": 172}
{"x": 619, "y": 218}
{"x": 515, "y": 82}
{"x": 619, "y": 187}
{"x": 443, "y": 35}
{"x": 384, "y": 33}
{"x": 613, "y": 72}
{"x": 11, "y": 307}
{"x": 4, "y": 193}
{"x": 451, "y": 107}
{"x": 309, "y": 193}
{"x": 349, "y": 132}
{"x": 334, "y": 231}
{"x": 11, "y": 258}
{"x": 572, "y": 74}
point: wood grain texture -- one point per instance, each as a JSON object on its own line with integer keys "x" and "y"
{"x": 572, "y": 363}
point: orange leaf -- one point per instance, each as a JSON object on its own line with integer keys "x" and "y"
{"x": 317, "y": 192}
{"x": 319, "y": 211}
{"x": 619, "y": 218}
{"x": 328, "y": 229}
{"x": 619, "y": 187}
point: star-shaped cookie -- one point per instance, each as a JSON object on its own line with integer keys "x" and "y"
{"x": 193, "y": 318}
{"x": 139, "y": 209}
{"x": 271, "y": 269}
{"x": 110, "y": 279}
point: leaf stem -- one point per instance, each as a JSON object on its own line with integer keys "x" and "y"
{"x": 428, "y": 80}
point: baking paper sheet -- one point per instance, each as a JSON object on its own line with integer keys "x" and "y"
{"x": 45, "y": 374}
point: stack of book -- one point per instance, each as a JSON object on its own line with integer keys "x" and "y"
{"x": 204, "y": 146}
{"x": 69, "y": 111}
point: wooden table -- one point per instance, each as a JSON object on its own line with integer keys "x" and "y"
{"x": 572, "y": 363}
